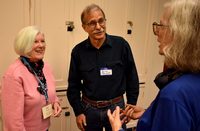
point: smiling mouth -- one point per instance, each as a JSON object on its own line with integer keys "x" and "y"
{"x": 39, "y": 51}
{"x": 99, "y": 32}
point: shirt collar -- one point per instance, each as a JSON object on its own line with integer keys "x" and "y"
{"x": 107, "y": 42}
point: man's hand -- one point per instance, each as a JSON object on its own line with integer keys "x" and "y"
{"x": 81, "y": 122}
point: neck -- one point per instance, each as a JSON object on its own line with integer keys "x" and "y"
{"x": 97, "y": 43}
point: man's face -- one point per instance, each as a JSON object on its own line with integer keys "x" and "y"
{"x": 95, "y": 24}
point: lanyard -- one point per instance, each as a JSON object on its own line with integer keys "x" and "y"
{"x": 44, "y": 90}
{"x": 42, "y": 86}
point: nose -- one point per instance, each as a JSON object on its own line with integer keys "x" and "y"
{"x": 156, "y": 32}
{"x": 98, "y": 26}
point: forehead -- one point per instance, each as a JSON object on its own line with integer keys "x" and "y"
{"x": 39, "y": 35}
{"x": 93, "y": 14}
{"x": 166, "y": 15}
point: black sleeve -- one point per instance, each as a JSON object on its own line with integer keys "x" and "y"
{"x": 74, "y": 85}
{"x": 132, "y": 80}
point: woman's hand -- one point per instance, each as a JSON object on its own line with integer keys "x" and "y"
{"x": 133, "y": 112}
{"x": 114, "y": 119}
{"x": 56, "y": 109}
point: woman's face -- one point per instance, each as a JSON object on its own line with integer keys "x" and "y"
{"x": 164, "y": 36}
{"x": 38, "y": 49}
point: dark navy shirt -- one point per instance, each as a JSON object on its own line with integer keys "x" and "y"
{"x": 102, "y": 74}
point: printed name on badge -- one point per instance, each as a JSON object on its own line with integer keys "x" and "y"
{"x": 47, "y": 111}
{"x": 105, "y": 72}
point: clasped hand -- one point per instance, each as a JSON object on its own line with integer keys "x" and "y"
{"x": 118, "y": 117}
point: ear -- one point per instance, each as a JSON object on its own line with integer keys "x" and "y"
{"x": 84, "y": 27}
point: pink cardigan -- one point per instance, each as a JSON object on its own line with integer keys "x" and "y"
{"x": 21, "y": 102}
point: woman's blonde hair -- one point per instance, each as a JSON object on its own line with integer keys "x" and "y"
{"x": 184, "y": 51}
{"x": 25, "y": 39}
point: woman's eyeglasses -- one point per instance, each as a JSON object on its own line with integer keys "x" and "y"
{"x": 157, "y": 27}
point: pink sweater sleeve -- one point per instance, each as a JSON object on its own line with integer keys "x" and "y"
{"x": 12, "y": 100}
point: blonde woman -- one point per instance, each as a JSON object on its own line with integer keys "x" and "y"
{"x": 28, "y": 87}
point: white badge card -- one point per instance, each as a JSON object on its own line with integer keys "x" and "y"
{"x": 105, "y": 72}
{"x": 47, "y": 111}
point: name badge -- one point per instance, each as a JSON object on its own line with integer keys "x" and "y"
{"x": 105, "y": 72}
{"x": 47, "y": 111}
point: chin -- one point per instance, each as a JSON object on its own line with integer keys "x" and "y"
{"x": 98, "y": 37}
{"x": 161, "y": 53}
{"x": 38, "y": 58}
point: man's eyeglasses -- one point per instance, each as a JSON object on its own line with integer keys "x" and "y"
{"x": 157, "y": 27}
{"x": 101, "y": 22}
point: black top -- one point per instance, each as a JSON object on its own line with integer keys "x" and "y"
{"x": 102, "y": 74}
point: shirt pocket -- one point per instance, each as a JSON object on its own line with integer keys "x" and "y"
{"x": 88, "y": 73}
{"x": 117, "y": 69}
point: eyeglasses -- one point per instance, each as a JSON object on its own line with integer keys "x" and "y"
{"x": 92, "y": 24}
{"x": 157, "y": 27}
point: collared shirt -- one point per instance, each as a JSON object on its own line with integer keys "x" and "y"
{"x": 102, "y": 74}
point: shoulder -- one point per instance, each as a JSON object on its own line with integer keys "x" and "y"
{"x": 16, "y": 73}
{"x": 81, "y": 45}
{"x": 47, "y": 66}
{"x": 185, "y": 88}
{"x": 115, "y": 38}
{"x": 117, "y": 41}
{"x": 47, "y": 70}
{"x": 184, "y": 82}
{"x": 16, "y": 68}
